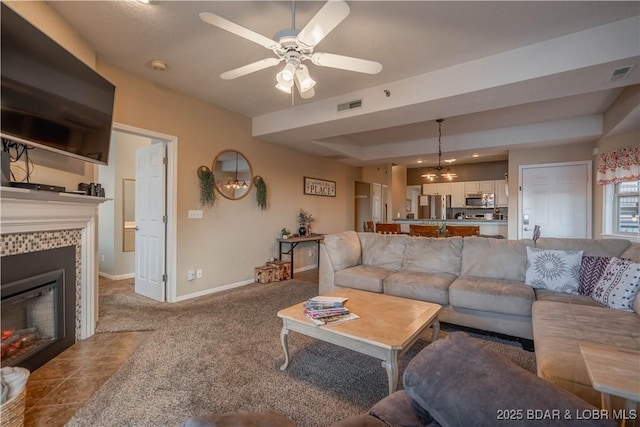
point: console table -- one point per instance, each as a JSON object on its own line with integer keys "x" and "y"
{"x": 295, "y": 241}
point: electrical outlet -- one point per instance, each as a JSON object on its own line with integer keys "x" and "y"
{"x": 102, "y": 257}
{"x": 191, "y": 275}
{"x": 199, "y": 273}
{"x": 195, "y": 214}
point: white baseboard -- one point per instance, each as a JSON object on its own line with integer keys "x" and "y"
{"x": 214, "y": 290}
{"x": 116, "y": 277}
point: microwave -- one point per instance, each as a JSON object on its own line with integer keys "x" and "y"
{"x": 480, "y": 200}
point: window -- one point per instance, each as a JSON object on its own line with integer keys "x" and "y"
{"x": 625, "y": 207}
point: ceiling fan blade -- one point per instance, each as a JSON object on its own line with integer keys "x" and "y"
{"x": 250, "y": 68}
{"x": 346, "y": 63}
{"x": 327, "y": 18}
{"x": 232, "y": 27}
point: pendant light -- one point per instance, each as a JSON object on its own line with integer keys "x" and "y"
{"x": 444, "y": 172}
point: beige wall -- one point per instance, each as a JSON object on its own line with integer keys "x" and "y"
{"x": 397, "y": 207}
{"x": 234, "y": 236}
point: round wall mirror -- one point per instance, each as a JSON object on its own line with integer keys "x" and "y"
{"x": 233, "y": 174}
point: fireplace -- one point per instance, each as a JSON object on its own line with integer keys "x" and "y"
{"x": 38, "y": 306}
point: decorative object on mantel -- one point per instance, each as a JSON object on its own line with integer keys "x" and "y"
{"x": 207, "y": 186}
{"x": 619, "y": 166}
{"x": 304, "y": 222}
{"x": 444, "y": 172}
{"x": 319, "y": 187}
{"x": 261, "y": 191}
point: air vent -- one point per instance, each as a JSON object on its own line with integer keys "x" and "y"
{"x": 350, "y": 105}
{"x": 620, "y": 73}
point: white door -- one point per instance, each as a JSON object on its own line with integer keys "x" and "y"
{"x": 557, "y": 197}
{"x": 150, "y": 221}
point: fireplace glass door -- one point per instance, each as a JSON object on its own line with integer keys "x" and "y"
{"x": 30, "y": 316}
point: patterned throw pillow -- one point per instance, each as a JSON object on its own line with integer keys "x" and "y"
{"x": 553, "y": 269}
{"x": 619, "y": 285}
{"x": 591, "y": 271}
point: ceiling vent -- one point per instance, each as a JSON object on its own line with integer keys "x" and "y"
{"x": 620, "y": 73}
{"x": 350, "y": 105}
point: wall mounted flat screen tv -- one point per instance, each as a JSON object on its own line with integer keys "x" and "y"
{"x": 51, "y": 99}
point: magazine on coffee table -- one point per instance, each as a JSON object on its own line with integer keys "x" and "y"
{"x": 334, "y": 319}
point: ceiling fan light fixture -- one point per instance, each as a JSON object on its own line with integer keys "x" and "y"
{"x": 285, "y": 89}
{"x": 303, "y": 79}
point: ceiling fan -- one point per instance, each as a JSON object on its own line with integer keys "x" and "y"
{"x": 293, "y": 47}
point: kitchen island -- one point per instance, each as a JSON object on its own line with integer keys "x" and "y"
{"x": 488, "y": 227}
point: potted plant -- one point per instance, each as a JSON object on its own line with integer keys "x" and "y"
{"x": 285, "y": 233}
{"x": 304, "y": 222}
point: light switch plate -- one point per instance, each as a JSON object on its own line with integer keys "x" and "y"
{"x": 195, "y": 214}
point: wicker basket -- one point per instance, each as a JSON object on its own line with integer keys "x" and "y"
{"x": 12, "y": 411}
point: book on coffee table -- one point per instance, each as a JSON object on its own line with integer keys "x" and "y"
{"x": 333, "y": 319}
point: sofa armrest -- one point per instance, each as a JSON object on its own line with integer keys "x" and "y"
{"x": 327, "y": 276}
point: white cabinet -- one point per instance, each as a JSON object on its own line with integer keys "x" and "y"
{"x": 486, "y": 186}
{"x": 457, "y": 195}
{"x": 471, "y": 187}
{"x": 502, "y": 200}
{"x": 437, "y": 188}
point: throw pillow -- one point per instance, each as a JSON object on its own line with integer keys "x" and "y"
{"x": 619, "y": 284}
{"x": 591, "y": 270}
{"x": 552, "y": 269}
{"x": 460, "y": 381}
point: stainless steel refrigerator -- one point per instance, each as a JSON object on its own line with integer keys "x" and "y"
{"x": 434, "y": 206}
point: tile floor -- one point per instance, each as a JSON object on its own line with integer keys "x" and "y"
{"x": 59, "y": 388}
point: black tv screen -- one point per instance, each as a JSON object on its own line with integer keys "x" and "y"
{"x": 51, "y": 99}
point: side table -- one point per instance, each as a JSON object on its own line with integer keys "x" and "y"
{"x": 295, "y": 241}
{"x": 614, "y": 371}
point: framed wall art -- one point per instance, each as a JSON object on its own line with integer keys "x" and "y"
{"x": 319, "y": 187}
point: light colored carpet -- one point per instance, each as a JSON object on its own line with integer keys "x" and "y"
{"x": 222, "y": 353}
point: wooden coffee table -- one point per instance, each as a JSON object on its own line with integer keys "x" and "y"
{"x": 387, "y": 327}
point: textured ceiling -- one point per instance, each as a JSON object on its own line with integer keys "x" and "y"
{"x": 414, "y": 38}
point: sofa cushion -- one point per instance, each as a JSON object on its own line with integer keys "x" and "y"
{"x": 431, "y": 255}
{"x": 553, "y": 269}
{"x": 591, "y": 270}
{"x": 619, "y": 285}
{"x": 429, "y": 287}
{"x": 632, "y": 253}
{"x": 492, "y": 295}
{"x": 397, "y": 410}
{"x": 494, "y": 258}
{"x": 547, "y": 295}
{"x": 460, "y": 382}
{"x": 559, "y": 327}
{"x": 596, "y": 247}
{"x": 383, "y": 250}
{"x": 343, "y": 249}
{"x": 363, "y": 277}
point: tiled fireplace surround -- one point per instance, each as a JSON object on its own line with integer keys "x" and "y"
{"x": 32, "y": 221}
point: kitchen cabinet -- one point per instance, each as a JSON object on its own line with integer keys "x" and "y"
{"x": 471, "y": 187}
{"x": 501, "y": 198}
{"x": 457, "y": 195}
{"x": 486, "y": 186}
{"x": 437, "y": 188}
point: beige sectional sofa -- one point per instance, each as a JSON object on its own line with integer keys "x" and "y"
{"x": 480, "y": 282}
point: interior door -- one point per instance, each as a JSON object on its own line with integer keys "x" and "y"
{"x": 557, "y": 197}
{"x": 150, "y": 214}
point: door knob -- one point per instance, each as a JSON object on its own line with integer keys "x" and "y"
{"x": 137, "y": 228}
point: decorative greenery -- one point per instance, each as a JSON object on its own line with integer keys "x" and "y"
{"x": 442, "y": 226}
{"x": 304, "y": 218}
{"x": 261, "y": 192}
{"x": 207, "y": 186}
{"x": 285, "y": 232}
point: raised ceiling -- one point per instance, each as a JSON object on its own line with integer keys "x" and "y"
{"x": 502, "y": 74}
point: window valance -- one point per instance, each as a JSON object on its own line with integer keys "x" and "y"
{"x": 619, "y": 166}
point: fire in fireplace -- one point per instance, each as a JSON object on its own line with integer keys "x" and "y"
{"x": 37, "y": 306}
{"x": 30, "y": 316}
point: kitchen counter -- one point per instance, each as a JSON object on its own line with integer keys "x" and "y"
{"x": 488, "y": 227}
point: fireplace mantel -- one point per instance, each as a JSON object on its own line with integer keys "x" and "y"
{"x": 32, "y": 211}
